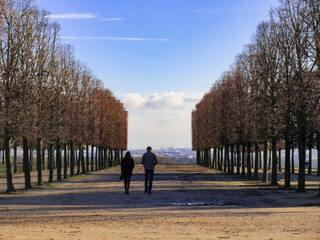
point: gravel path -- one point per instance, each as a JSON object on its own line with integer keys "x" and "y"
{"x": 188, "y": 202}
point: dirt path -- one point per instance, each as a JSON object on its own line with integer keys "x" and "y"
{"x": 189, "y": 202}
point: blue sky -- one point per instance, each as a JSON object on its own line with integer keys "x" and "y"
{"x": 158, "y": 56}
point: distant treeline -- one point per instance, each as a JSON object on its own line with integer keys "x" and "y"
{"x": 268, "y": 100}
{"x": 50, "y": 101}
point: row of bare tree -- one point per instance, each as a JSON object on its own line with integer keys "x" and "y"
{"x": 270, "y": 96}
{"x": 49, "y": 99}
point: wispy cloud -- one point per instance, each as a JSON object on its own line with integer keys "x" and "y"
{"x": 73, "y": 16}
{"x": 84, "y": 16}
{"x": 115, "y": 38}
{"x": 225, "y": 11}
{"x": 111, "y": 19}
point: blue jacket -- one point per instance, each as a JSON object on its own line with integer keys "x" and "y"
{"x": 149, "y": 160}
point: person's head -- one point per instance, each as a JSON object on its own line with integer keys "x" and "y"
{"x": 128, "y": 154}
{"x": 149, "y": 149}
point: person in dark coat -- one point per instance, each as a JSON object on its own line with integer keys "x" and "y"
{"x": 127, "y": 166}
{"x": 149, "y": 160}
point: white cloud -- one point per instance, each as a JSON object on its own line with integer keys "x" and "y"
{"x": 73, "y": 16}
{"x": 156, "y": 100}
{"x": 115, "y": 38}
{"x": 166, "y": 100}
{"x": 133, "y": 100}
{"x": 160, "y": 119}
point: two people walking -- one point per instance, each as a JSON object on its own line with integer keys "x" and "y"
{"x": 149, "y": 161}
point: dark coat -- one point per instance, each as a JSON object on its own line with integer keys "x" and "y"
{"x": 149, "y": 160}
{"x": 127, "y": 166}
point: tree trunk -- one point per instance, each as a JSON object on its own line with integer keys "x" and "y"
{"x": 15, "y": 151}
{"x": 209, "y": 158}
{"x": 105, "y": 154}
{"x": 9, "y": 173}
{"x": 198, "y": 157}
{"x": 83, "y": 165}
{"x": 287, "y": 164}
{"x": 103, "y": 157}
{"x": 243, "y": 165}
{"x": 72, "y": 160}
{"x": 54, "y": 163}
{"x": 92, "y": 158}
{"x": 104, "y": 161}
{"x": 99, "y": 158}
{"x": 256, "y": 161}
{"x": 65, "y": 161}
{"x": 292, "y": 161}
{"x": 79, "y": 160}
{"x": 310, "y": 161}
{"x": 39, "y": 160}
{"x": 43, "y": 159}
{"x": 302, "y": 162}
{"x": 107, "y": 157}
{"x": 58, "y": 160}
{"x": 274, "y": 180}
{"x": 96, "y": 167}
{"x": 302, "y": 139}
{"x": 227, "y": 158}
{"x": 3, "y": 155}
{"x": 265, "y": 163}
{"x": 214, "y": 156}
{"x": 31, "y": 159}
{"x": 318, "y": 153}
{"x": 238, "y": 159}
{"x": 87, "y": 157}
{"x": 270, "y": 160}
{"x": 279, "y": 160}
{"x": 26, "y": 166}
{"x": 50, "y": 162}
{"x": 205, "y": 158}
{"x": 248, "y": 160}
{"x": 260, "y": 160}
{"x": 232, "y": 158}
{"x": 68, "y": 155}
{"x": 218, "y": 159}
{"x": 221, "y": 158}
{"x": 251, "y": 159}
{"x": 318, "y": 156}
{"x": 111, "y": 159}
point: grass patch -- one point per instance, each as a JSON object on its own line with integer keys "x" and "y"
{"x": 3, "y": 171}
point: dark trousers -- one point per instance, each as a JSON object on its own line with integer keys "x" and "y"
{"x": 126, "y": 181}
{"x": 148, "y": 178}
